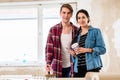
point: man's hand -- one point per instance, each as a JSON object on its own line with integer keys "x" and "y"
{"x": 48, "y": 68}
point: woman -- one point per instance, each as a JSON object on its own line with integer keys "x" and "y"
{"x": 58, "y": 43}
{"x": 91, "y": 46}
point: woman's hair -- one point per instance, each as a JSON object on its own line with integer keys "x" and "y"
{"x": 84, "y": 12}
{"x": 67, "y": 6}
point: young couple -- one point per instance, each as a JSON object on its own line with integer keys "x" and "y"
{"x": 61, "y": 58}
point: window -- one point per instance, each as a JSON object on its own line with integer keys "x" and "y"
{"x": 24, "y": 31}
{"x": 18, "y": 36}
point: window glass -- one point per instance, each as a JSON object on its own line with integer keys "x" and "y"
{"x": 18, "y": 35}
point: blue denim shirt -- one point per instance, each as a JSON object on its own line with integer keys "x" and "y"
{"x": 95, "y": 41}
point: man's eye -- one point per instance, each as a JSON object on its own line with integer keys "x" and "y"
{"x": 63, "y": 12}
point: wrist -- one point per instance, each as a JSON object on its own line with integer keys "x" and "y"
{"x": 91, "y": 50}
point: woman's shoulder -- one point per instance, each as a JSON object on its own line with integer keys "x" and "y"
{"x": 92, "y": 28}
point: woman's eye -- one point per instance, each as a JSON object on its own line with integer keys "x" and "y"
{"x": 78, "y": 17}
{"x": 83, "y": 17}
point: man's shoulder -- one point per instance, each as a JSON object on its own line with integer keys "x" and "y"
{"x": 56, "y": 26}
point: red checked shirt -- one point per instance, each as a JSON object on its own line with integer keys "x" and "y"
{"x": 53, "y": 48}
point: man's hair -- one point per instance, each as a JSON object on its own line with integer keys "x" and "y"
{"x": 67, "y": 6}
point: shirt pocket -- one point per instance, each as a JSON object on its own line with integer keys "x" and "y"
{"x": 92, "y": 42}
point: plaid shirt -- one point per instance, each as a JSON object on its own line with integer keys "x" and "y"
{"x": 53, "y": 48}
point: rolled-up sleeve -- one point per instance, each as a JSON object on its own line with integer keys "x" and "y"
{"x": 99, "y": 48}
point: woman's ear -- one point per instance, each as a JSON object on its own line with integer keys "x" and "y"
{"x": 88, "y": 19}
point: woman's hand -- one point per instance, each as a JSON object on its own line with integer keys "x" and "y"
{"x": 72, "y": 52}
{"x": 82, "y": 50}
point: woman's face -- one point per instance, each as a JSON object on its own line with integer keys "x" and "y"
{"x": 65, "y": 15}
{"x": 82, "y": 19}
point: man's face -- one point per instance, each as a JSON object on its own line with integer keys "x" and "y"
{"x": 65, "y": 15}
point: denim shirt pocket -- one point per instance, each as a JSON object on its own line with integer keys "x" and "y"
{"x": 92, "y": 42}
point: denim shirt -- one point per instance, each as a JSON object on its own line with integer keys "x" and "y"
{"x": 95, "y": 41}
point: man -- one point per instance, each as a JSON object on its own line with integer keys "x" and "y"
{"x": 58, "y": 43}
